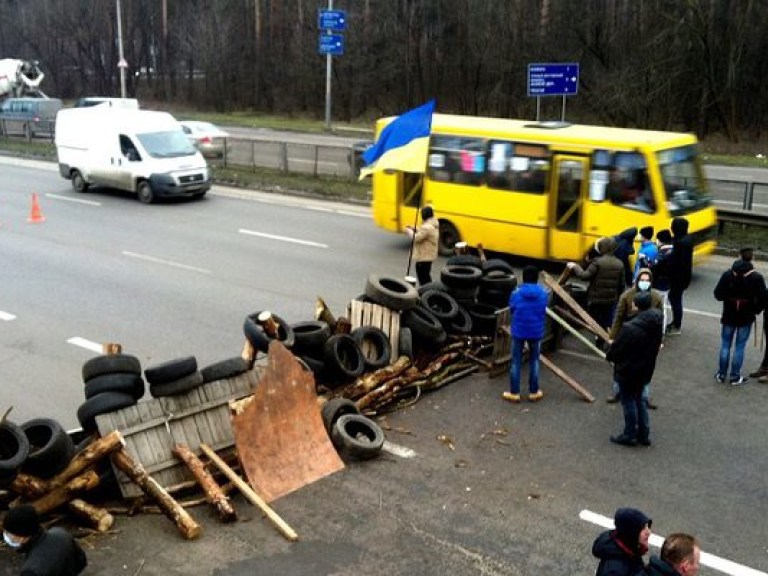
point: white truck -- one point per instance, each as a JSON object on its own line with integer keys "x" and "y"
{"x": 139, "y": 151}
{"x": 20, "y": 78}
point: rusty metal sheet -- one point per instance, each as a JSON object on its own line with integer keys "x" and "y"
{"x": 280, "y": 436}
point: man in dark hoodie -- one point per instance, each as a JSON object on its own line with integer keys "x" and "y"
{"x": 633, "y": 355}
{"x": 680, "y": 270}
{"x": 742, "y": 292}
{"x": 528, "y": 305}
{"x": 621, "y": 550}
{"x": 625, "y": 247}
{"x": 680, "y": 556}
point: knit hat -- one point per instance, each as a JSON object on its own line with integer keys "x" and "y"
{"x": 530, "y": 275}
{"x": 643, "y": 300}
{"x": 22, "y": 521}
{"x": 664, "y": 236}
{"x": 630, "y": 522}
{"x": 647, "y": 232}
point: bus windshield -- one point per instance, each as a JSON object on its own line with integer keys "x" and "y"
{"x": 683, "y": 180}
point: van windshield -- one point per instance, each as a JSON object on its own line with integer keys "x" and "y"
{"x": 684, "y": 183}
{"x": 167, "y": 144}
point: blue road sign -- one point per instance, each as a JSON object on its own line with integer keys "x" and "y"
{"x": 332, "y": 44}
{"x": 553, "y": 79}
{"x": 335, "y": 20}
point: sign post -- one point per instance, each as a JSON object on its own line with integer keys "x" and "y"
{"x": 553, "y": 80}
{"x": 330, "y": 45}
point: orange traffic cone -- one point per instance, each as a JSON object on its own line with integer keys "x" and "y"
{"x": 35, "y": 214}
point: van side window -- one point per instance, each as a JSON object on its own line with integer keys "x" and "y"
{"x": 628, "y": 183}
{"x": 457, "y": 159}
{"x": 518, "y": 166}
{"x": 128, "y": 149}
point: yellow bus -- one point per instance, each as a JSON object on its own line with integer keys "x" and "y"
{"x": 548, "y": 190}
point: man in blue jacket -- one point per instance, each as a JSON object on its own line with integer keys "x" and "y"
{"x": 528, "y": 305}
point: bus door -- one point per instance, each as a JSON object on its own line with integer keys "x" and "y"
{"x": 409, "y": 194}
{"x": 566, "y": 207}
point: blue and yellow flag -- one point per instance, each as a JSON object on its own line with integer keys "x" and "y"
{"x": 403, "y": 144}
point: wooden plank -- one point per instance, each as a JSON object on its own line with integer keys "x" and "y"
{"x": 583, "y": 392}
{"x": 568, "y": 299}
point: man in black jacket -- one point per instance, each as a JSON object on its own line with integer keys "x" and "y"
{"x": 633, "y": 355}
{"x": 742, "y": 292}
{"x": 48, "y": 552}
{"x": 621, "y": 550}
{"x": 679, "y": 557}
{"x": 680, "y": 270}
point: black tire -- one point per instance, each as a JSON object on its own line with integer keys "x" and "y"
{"x": 461, "y": 324}
{"x": 228, "y": 368}
{"x": 317, "y": 367}
{"x": 180, "y": 386}
{"x": 310, "y": 337}
{"x": 375, "y": 346}
{"x": 442, "y": 305}
{"x": 447, "y": 239}
{"x": 464, "y": 296}
{"x": 460, "y": 277}
{"x": 14, "y": 450}
{"x": 260, "y": 340}
{"x": 363, "y": 298}
{"x": 79, "y": 184}
{"x": 437, "y": 286}
{"x": 50, "y": 447}
{"x": 497, "y": 264}
{"x": 125, "y": 382}
{"x": 498, "y": 280}
{"x": 405, "y": 342}
{"x": 483, "y": 319}
{"x": 344, "y": 357}
{"x": 110, "y": 363}
{"x": 464, "y": 260}
{"x": 496, "y": 298}
{"x": 144, "y": 192}
{"x": 344, "y": 436}
{"x": 334, "y": 409}
{"x": 422, "y": 323}
{"x": 101, "y": 404}
{"x": 170, "y": 370}
{"x": 393, "y": 293}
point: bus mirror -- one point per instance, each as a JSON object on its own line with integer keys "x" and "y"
{"x": 598, "y": 180}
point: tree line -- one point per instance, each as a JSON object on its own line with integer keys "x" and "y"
{"x": 692, "y": 65}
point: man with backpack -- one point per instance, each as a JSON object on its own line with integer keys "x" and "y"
{"x": 742, "y": 291}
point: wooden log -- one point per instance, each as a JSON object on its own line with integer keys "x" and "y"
{"x": 178, "y": 515}
{"x": 63, "y": 494}
{"x": 583, "y": 392}
{"x": 366, "y": 383}
{"x": 251, "y": 494}
{"x": 568, "y": 299}
{"x": 111, "y": 348}
{"x": 31, "y": 487}
{"x": 97, "y": 517}
{"x": 481, "y": 253}
{"x": 210, "y": 487}
{"x": 323, "y": 312}
{"x": 343, "y": 326}
{"x": 575, "y": 332}
{"x": 267, "y": 322}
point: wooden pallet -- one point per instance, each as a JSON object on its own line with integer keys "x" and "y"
{"x": 370, "y": 314}
{"x": 152, "y": 426}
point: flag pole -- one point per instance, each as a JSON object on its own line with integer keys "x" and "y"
{"x": 413, "y": 238}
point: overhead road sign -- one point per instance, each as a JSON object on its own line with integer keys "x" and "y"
{"x": 335, "y": 20}
{"x": 553, "y": 79}
{"x": 331, "y": 44}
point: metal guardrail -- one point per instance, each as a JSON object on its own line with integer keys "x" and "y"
{"x": 740, "y": 201}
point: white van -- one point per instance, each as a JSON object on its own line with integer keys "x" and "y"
{"x": 135, "y": 150}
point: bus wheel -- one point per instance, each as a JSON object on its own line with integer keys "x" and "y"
{"x": 448, "y": 238}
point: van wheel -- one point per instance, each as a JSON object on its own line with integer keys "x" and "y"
{"x": 447, "y": 239}
{"x": 78, "y": 182}
{"x": 144, "y": 190}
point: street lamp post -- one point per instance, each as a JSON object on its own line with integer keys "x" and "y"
{"x": 122, "y": 64}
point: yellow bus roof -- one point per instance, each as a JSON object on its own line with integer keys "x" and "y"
{"x": 577, "y": 135}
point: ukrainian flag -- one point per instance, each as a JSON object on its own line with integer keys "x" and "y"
{"x": 403, "y": 144}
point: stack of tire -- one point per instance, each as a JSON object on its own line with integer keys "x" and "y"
{"x": 112, "y": 382}
{"x": 50, "y": 447}
{"x": 258, "y": 337}
{"x": 173, "y": 377}
{"x": 400, "y": 296}
{"x": 228, "y": 368}
{"x": 354, "y": 436}
{"x": 14, "y": 449}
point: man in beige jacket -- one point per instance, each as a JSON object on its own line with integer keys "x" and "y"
{"x": 425, "y": 240}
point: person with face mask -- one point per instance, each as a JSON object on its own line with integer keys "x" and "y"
{"x": 51, "y": 552}
{"x": 626, "y": 310}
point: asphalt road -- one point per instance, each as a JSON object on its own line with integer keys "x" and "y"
{"x": 504, "y": 497}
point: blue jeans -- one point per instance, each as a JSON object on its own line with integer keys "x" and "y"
{"x": 646, "y": 390}
{"x": 727, "y": 334}
{"x": 637, "y": 424}
{"x": 534, "y": 346}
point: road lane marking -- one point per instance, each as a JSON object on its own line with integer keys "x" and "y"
{"x": 76, "y": 200}
{"x": 171, "y": 263}
{"x": 282, "y": 238}
{"x": 701, "y": 313}
{"x": 356, "y": 214}
{"x": 710, "y": 560}
{"x": 87, "y": 344}
{"x": 7, "y": 316}
{"x": 397, "y": 450}
{"x": 318, "y": 208}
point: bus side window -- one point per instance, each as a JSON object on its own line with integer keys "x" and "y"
{"x": 463, "y": 159}
{"x": 518, "y": 167}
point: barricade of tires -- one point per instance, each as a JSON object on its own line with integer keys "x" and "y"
{"x": 111, "y": 382}
{"x": 40, "y": 447}
{"x": 354, "y": 436}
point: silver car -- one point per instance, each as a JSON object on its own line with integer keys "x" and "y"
{"x": 208, "y": 138}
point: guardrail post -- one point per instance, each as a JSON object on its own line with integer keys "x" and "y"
{"x": 750, "y": 196}
{"x": 253, "y": 154}
{"x": 284, "y": 154}
{"x": 317, "y": 150}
